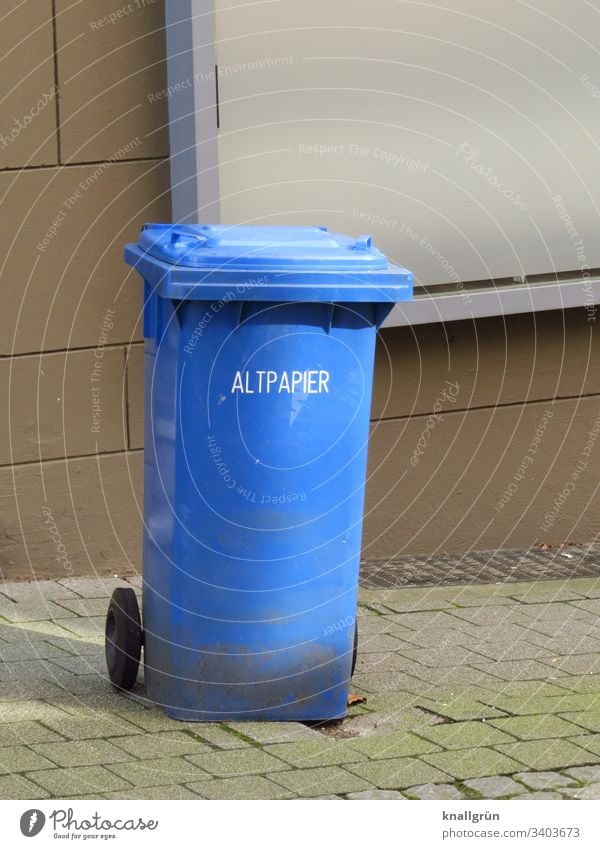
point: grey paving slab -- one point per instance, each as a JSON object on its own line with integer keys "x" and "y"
{"x": 71, "y": 783}
{"x": 434, "y": 791}
{"x": 159, "y": 772}
{"x": 274, "y": 732}
{"x": 398, "y": 773}
{"x": 552, "y": 780}
{"x": 243, "y": 787}
{"x": 374, "y": 795}
{"x": 19, "y": 787}
{"x": 80, "y": 753}
{"x": 321, "y": 781}
{"x": 498, "y": 787}
{"x": 313, "y": 753}
{"x": 238, "y": 762}
{"x": 25, "y": 734}
{"x": 165, "y": 744}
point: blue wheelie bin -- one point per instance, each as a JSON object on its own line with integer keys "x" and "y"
{"x": 259, "y": 345}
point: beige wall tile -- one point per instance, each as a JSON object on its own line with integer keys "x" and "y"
{"x": 55, "y": 294}
{"x": 28, "y": 107}
{"x": 107, "y": 72}
{"x": 135, "y": 395}
{"x": 497, "y": 360}
{"x": 63, "y": 404}
{"x": 75, "y": 517}
{"x": 447, "y": 498}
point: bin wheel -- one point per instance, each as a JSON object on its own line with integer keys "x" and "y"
{"x": 123, "y": 638}
{"x": 354, "y": 649}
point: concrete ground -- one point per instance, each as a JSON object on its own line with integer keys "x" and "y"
{"x": 489, "y": 691}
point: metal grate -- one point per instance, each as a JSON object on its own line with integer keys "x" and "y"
{"x": 482, "y": 567}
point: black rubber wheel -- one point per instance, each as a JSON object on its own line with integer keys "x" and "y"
{"x": 354, "y": 648}
{"x": 123, "y": 638}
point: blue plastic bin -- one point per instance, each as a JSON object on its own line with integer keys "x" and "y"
{"x": 259, "y": 345}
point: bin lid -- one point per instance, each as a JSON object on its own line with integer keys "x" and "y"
{"x": 265, "y": 263}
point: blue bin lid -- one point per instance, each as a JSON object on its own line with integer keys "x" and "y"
{"x": 207, "y": 261}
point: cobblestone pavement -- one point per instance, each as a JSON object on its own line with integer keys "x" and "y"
{"x": 488, "y": 691}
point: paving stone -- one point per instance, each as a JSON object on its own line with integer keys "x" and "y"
{"x": 465, "y": 735}
{"x": 312, "y": 753}
{"x": 547, "y": 704}
{"x": 21, "y": 759}
{"x": 434, "y": 791}
{"x": 516, "y": 670}
{"x": 494, "y": 788}
{"x": 392, "y": 745}
{"x": 577, "y": 664}
{"x": 475, "y": 763}
{"x": 537, "y": 794}
{"x": 275, "y": 732}
{"x": 71, "y": 783}
{"x": 588, "y": 774}
{"x": 581, "y": 684}
{"x": 371, "y": 795}
{"x": 25, "y": 733}
{"x": 592, "y": 791}
{"x": 550, "y": 780}
{"x": 82, "y": 665}
{"x": 384, "y": 682}
{"x": 216, "y": 735}
{"x": 245, "y": 787}
{"x": 35, "y": 590}
{"x": 172, "y": 791}
{"x": 90, "y": 628}
{"x": 19, "y": 787}
{"x": 30, "y": 650}
{"x": 398, "y": 773}
{"x": 536, "y": 727}
{"x": 28, "y": 710}
{"x": 109, "y": 725}
{"x": 461, "y": 709}
{"x": 159, "y": 772}
{"x": 377, "y": 643}
{"x": 93, "y": 587}
{"x": 237, "y": 762}
{"x": 321, "y": 781}
{"x": 29, "y": 670}
{"x": 32, "y": 690}
{"x": 166, "y": 744}
{"x": 590, "y": 742}
{"x": 81, "y": 753}
{"x": 86, "y": 606}
{"x": 34, "y": 611}
{"x": 547, "y": 754}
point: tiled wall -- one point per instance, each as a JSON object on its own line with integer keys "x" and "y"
{"x": 83, "y": 148}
